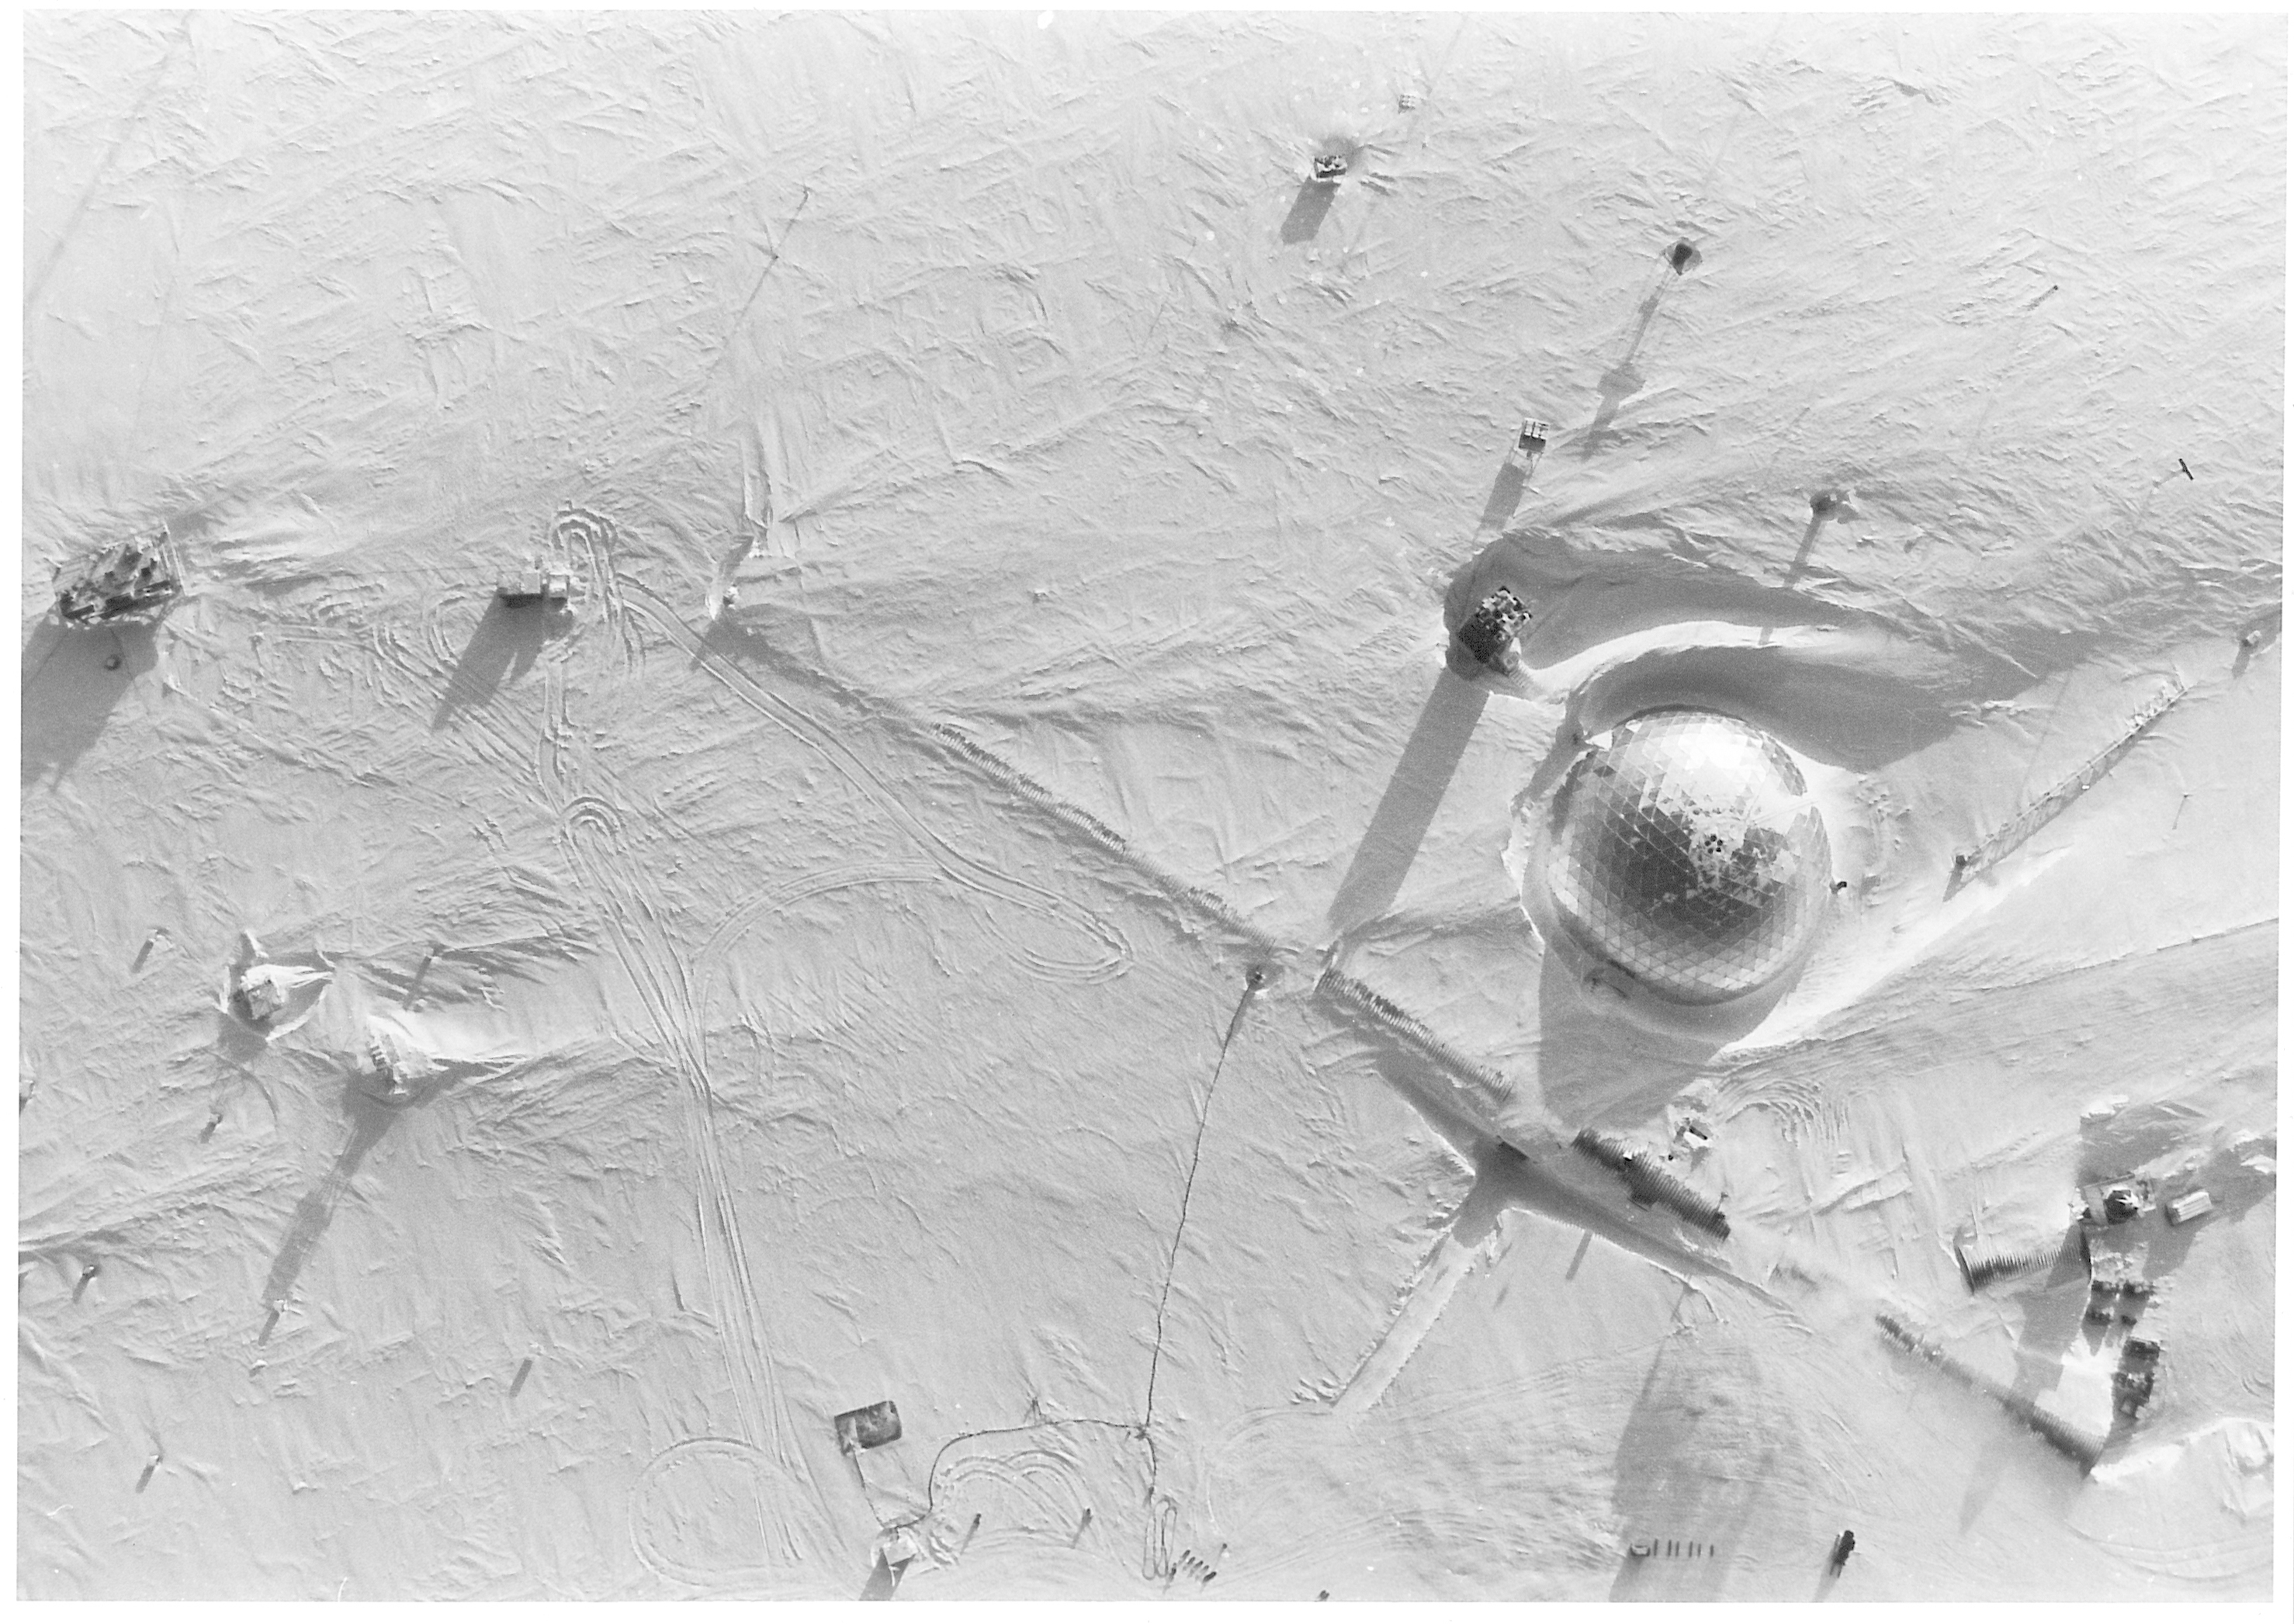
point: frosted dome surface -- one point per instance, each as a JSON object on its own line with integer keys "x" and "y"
{"x": 1686, "y": 851}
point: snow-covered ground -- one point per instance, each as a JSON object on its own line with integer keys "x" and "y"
{"x": 1051, "y": 953}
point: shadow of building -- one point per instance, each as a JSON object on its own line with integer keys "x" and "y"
{"x": 1711, "y": 1439}
{"x": 1414, "y": 795}
{"x": 73, "y": 677}
{"x": 502, "y": 648}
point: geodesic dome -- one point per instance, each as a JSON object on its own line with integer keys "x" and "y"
{"x": 1684, "y": 849}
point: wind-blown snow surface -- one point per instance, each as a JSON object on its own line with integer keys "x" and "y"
{"x": 845, "y": 999}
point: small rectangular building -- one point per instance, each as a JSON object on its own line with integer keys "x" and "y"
{"x": 872, "y": 1426}
{"x": 550, "y": 588}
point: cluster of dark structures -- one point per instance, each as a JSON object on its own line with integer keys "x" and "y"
{"x": 2080, "y": 1448}
{"x": 1489, "y": 634}
{"x": 1642, "y": 1549}
{"x": 135, "y": 582}
{"x": 138, "y": 581}
{"x": 1650, "y": 1180}
{"x": 2117, "y": 1224}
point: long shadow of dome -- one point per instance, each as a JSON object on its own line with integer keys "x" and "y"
{"x": 1679, "y": 878}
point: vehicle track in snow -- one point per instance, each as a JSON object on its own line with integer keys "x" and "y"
{"x": 1012, "y": 1467}
{"x": 963, "y": 868}
{"x": 1476, "y": 1093}
{"x": 762, "y": 905}
{"x": 1098, "y": 833}
{"x": 484, "y": 727}
{"x": 594, "y": 537}
{"x": 675, "y": 1544}
{"x": 950, "y": 740}
{"x": 676, "y": 989}
{"x": 593, "y": 834}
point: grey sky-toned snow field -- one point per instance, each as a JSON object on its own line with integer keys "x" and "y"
{"x": 987, "y": 871}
